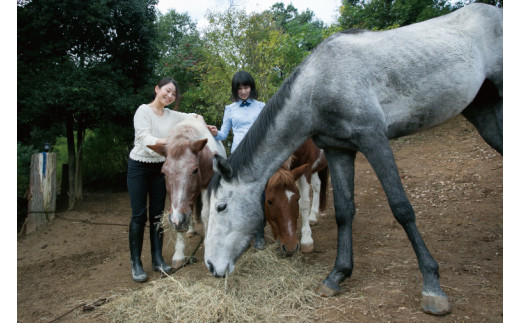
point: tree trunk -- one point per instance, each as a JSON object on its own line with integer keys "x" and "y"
{"x": 71, "y": 159}
{"x": 78, "y": 189}
{"x": 42, "y": 191}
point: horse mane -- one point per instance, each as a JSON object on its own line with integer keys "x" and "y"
{"x": 282, "y": 178}
{"x": 182, "y": 134}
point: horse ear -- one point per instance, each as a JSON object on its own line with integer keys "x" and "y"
{"x": 299, "y": 171}
{"x": 198, "y": 145}
{"x": 221, "y": 166}
{"x": 159, "y": 148}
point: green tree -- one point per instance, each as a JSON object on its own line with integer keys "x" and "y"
{"x": 269, "y": 45}
{"x": 302, "y": 34}
{"x": 179, "y": 48}
{"x": 386, "y": 14}
{"x": 224, "y": 43}
{"x": 496, "y": 3}
{"x": 81, "y": 63}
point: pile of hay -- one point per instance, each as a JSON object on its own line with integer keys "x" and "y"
{"x": 264, "y": 287}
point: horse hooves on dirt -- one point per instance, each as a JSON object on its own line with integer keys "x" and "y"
{"x": 306, "y": 248}
{"x": 435, "y": 305}
{"x": 325, "y": 291}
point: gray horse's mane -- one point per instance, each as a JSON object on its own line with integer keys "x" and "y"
{"x": 242, "y": 156}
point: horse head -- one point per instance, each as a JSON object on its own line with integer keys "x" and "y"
{"x": 235, "y": 214}
{"x": 186, "y": 168}
{"x": 281, "y": 207}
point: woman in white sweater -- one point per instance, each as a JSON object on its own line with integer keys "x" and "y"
{"x": 152, "y": 123}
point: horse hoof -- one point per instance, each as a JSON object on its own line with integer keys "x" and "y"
{"x": 306, "y": 248}
{"x": 191, "y": 234}
{"x": 435, "y": 305}
{"x": 325, "y": 291}
{"x": 177, "y": 263}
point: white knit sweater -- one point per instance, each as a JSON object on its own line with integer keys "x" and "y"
{"x": 148, "y": 128}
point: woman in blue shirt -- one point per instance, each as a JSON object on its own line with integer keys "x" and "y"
{"x": 239, "y": 115}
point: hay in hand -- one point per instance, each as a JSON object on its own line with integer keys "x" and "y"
{"x": 264, "y": 287}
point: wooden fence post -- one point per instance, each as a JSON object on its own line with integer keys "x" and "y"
{"x": 42, "y": 191}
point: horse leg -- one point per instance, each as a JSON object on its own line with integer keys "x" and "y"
{"x": 379, "y": 153}
{"x": 485, "y": 113}
{"x": 305, "y": 202}
{"x": 191, "y": 229}
{"x": 178, "y": 257}
{"x": 260, "y": 233}
{"x": 316, "y": 187}
{"x": 306, "y": 242}
{"x": 342, "y": 177}
{"x": 260, "y": 237}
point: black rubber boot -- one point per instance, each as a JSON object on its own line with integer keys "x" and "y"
{"x": 135, "y": 238}
{"x": 156, "y": 244}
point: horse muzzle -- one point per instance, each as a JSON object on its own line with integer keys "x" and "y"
{"x": 219, "y": 273}
{"x": 289, "y": 249}
{"x": 180, "y": 221}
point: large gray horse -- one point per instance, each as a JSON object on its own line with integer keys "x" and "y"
{"x": 353, "y": 93}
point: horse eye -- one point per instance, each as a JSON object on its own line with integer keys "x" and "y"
{"x": 221, "y": 207}
{"x": 269, "y": 202}
{"x": 195, "y": 171}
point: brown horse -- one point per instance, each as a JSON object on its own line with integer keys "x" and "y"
{"x": 281, "y": 206}
{"x": 188, "y": 169}
{"x": 316, "y": 177}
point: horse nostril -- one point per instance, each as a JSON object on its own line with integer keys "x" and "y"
{"x": 211, "y": 268}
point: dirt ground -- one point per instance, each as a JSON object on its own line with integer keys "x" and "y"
{"x": 452, "y": 178}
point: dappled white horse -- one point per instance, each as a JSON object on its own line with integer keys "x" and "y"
{"x": 353, "y": 93}
{"x": 188, "y": 168}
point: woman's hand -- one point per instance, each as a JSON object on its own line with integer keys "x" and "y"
{"x": 161, "y": 141}
{"x": 213, "y": 130}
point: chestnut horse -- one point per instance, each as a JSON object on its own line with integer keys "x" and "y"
{"x": 316, "y": 177}
{"x": 188, "y": 170}
{"x": 281, "y": 206}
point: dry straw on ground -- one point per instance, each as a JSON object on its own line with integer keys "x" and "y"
{"x": 265, "y": 287}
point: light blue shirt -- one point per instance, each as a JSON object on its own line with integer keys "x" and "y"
{"x": 239, "y": 119}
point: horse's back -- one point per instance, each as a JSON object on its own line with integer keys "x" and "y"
{"x": 413, "y": 77}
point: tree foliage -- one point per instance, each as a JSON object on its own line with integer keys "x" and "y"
{"x": 79, "y": 63}
{"x": 84, "y": 66}
{"x": 179, "y": 48}
{"x": 268, "y": 44}
{"x": 387, "y": 14}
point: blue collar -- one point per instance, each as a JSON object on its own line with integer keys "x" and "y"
{"x": 245, "y": 103}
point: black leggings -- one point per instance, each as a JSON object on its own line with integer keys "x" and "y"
{"x": 145, "y": 180}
